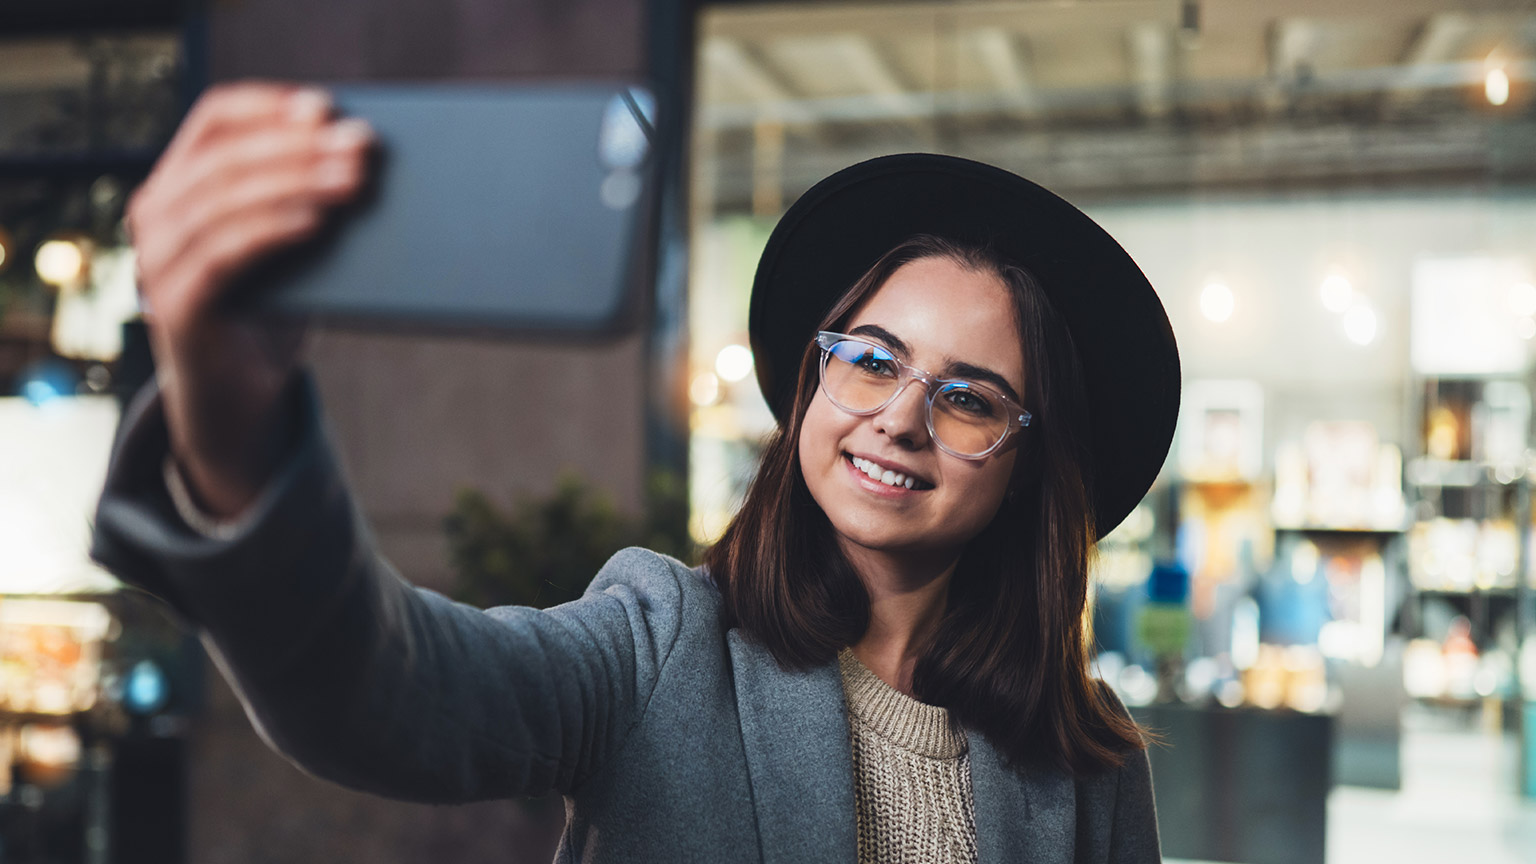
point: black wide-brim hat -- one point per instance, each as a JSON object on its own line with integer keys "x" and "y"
{"x": 836, "y": 231}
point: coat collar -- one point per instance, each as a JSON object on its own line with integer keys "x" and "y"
{"x": 794, "y": 728}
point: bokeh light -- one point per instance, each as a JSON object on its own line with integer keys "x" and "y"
{"x": 1337, "y": 293}
{"x": 1360, "y": 324}
{"x": 1496, "y": 86}
{"x": 60, "y": 262}
{"x": 1216, "y": 301}
{"x": 734, "y": 362}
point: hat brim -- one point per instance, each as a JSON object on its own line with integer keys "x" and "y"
{"x": 838, "y": 229}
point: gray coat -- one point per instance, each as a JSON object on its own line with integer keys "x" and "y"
{"x": 671, "y": 738}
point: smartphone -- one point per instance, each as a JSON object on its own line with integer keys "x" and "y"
{"x": 491, "y": 207}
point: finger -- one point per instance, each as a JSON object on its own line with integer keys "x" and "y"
{"x": 304, "y": 175}
{"x": 307, "y": 181}
{"x": 231, "y": 107}
{"x": 177, "y": 178}
{"x": 227, "y": 109}
{"x": 193, "y": 283}
{"x": 276, "y": 149}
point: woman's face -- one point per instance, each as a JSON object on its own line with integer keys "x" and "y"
{"x": 943, "y": 314}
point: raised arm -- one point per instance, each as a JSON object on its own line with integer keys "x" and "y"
{"x": 364, "y": 680}
{"x": 355, "y": 675}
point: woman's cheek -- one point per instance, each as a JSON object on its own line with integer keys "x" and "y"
{"x": 984, "y": 496}
{"x": 815, "y": 447}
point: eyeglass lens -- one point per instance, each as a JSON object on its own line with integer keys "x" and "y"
{"x": 862, "y": 377}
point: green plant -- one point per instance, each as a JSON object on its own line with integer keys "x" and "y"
{"x": 546, "y": 550}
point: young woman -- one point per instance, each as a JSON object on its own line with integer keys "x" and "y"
{"x": 883, "y": 658}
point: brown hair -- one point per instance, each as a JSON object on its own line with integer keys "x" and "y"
{"x": 1009, "y": 656}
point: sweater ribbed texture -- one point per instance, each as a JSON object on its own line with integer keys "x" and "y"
{"x": 912, "y": 775}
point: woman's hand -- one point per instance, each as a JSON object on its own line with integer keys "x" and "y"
{"x": 254, "y": 168}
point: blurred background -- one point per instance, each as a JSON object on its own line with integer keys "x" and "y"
{"x": 1324, "y": 604}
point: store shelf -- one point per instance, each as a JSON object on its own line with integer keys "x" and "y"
{"x": 1328, "y": 529}
{"x": 1425, "y": 473}
{"x": 1492, "y": 591}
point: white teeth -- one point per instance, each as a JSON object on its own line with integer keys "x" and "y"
{"x": 875, "y": 472}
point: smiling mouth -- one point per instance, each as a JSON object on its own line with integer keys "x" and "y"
{"x": 885, "y": 476}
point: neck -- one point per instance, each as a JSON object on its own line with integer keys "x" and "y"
{"x": 907, "y": 593}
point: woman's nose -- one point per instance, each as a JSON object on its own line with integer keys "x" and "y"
{"x": 905, "y": 419}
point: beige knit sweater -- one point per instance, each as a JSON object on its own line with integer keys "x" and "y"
{"x": 912, "y": 775}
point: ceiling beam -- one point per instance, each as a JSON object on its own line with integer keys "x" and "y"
{"x": 1152, "y": 67}
{"x": 1436, "y": 44}
{"x": 1007, "y": 62}
{"x": 918, "y": 109}
{"x": 1292, "y": 48}
{"x": 1438, "y": 40}
{"x": 774, "y": 97}
{"x": 1123, "y": 164}
{"x": 872, "y": 73}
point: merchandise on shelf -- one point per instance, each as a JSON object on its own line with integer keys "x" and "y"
{"x": 50, "y": 654}
{"x": 1341, "y": 476}
{"x": 1463, "y": 554}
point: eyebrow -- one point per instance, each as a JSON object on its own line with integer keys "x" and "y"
{"x": 955, "y": 369}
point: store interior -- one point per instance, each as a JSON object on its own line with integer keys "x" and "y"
{"x": 1324, "y": 605}
{"x": 1325, "y": 602}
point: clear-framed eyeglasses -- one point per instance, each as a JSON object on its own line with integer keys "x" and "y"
{"x": 966, "y": 418}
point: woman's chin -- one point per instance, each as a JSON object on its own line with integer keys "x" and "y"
{"x": 857, "y": 539}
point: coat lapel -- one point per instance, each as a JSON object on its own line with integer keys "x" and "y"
{"x": 794, "y": 726}
{"x": 1028, "y": 816}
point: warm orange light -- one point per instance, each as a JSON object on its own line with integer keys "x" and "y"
{"x": 1496, "y": 86}
{"x": 60, "y": 262}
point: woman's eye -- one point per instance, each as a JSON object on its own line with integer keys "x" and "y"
{"x": 969, "y": 401}
{"x": 871, "y": 362}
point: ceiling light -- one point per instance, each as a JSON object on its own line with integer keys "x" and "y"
{"x": 1496, "y": 86}
{"x": 734, "y": 362}
{"x": 1337, "y": 292}
{"x": 1216, "y": 302}
{"x": 1360, "y": 324}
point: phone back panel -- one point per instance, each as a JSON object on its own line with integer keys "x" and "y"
{"x": 493, "y": 207}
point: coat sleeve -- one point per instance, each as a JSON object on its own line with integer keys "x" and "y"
{"x": 360, "y": 678}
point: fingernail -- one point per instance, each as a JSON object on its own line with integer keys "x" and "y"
{"x": 346, "y": 134}
{"x": 309, "y": 104}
